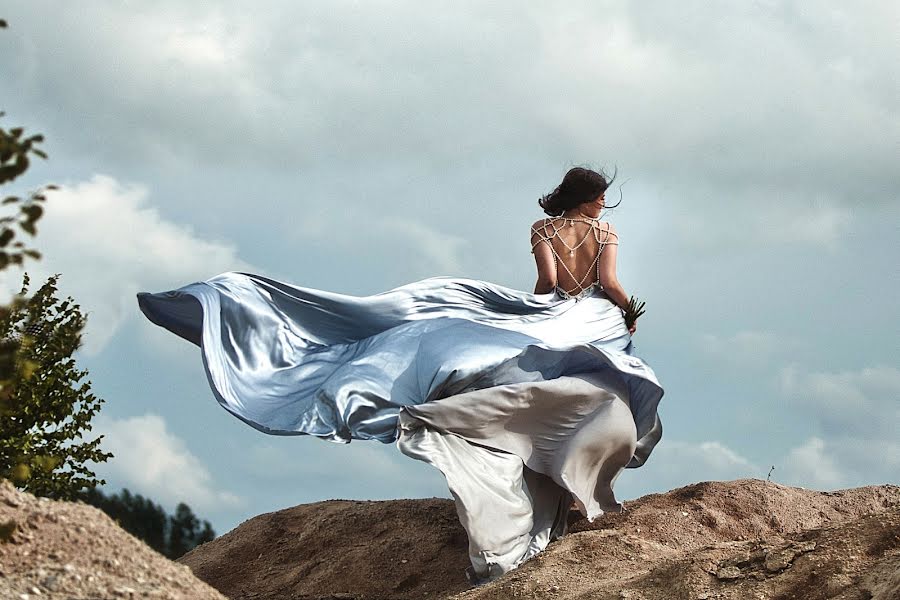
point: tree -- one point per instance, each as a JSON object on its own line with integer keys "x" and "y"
{"x": 184, "y": 526}
{"x": 37, "y": 336}
{"x": 137, "y": 515}
{"x": 51, "y": 406}
{"x": 171, "y": 536}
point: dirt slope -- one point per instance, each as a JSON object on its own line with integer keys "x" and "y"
{"x": 361, "y": 549}
{"x": 739, "y": 539}
{"x": 69, "y": 550}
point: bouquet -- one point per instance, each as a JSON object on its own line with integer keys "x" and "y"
{"x": 635, "y": 309}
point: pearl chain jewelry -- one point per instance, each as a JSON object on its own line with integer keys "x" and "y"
{"x": 544, "y": 236}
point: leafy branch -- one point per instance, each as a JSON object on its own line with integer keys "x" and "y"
{"x": 15, "y": 149}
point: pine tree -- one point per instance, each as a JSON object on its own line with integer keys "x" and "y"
{"x": 137, "y": 515}
{"x": 206, "y": 535}
{"x": 183, "y": 530}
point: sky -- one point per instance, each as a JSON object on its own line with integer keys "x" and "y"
{"x": 358, "y": 146}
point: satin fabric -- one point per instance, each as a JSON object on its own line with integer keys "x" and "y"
{"x": 516, "y": 455}
{"x": 471, "y": 376}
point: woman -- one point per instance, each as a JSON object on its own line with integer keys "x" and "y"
{"x": 580, "y": 198}
{"x": 526, "y": 402}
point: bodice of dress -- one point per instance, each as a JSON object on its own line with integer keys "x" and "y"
{"x": 589, "y": 290}
{"x": 550, "y": 228}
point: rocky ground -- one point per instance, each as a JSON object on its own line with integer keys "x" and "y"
{"x": 740, "y": 539}
{"x": 71, "y": 550}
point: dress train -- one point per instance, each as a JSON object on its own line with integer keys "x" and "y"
{"x": 523, "y": 401}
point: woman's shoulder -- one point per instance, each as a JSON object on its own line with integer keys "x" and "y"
{"x": 612, "y": 236}
{"x": 540, "y": 224}
{"x": 604, "y": 225}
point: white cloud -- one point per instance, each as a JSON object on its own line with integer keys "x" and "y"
{"x": 383, "y": 471}
{"x": 709, "y": 460}
{"x": 151, "y": 460}
{"x": 811, "y": 465}
{"x": 818, "y": 223}
{"x": 676, "y": 463}
{"x": 356, "y": 458}
{"x": 202, "y": 45}
{"x": 743, "y": 96}
{"x": 857, "y": 414}
{"x": 437, "y": 251}
{"x": 108, "y": 244}
{"x": 744, "y": 348}
{"x": 406, "y": 247}
{"x": 761, "y": 216}
{"x": 863, "y": 403}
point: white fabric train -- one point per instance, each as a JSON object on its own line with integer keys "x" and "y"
{"x": 524, "y": 401}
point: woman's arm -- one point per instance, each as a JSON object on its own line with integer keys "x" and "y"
{"x": 608, "y": 278}
{"x": 543, "y": 258}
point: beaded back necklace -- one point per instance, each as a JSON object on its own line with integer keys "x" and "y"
{"x": 550, "y": 229}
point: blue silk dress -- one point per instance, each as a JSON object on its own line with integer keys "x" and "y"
{"x": 525, "y": 402}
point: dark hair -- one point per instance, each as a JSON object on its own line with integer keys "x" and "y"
{"x": 580, "y": 185}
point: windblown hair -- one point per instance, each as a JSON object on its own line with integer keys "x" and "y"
{"x": 580, "y": 185}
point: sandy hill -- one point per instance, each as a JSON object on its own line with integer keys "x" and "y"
{"x": 738, "y": 539}
{"x": 71, "y": 550}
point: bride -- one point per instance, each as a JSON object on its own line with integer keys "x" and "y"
{"x": 526, "y": 402}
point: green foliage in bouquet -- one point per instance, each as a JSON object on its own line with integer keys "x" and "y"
{"x": 635, "y": 309}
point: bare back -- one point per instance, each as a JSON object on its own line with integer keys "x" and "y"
{"x": 576, "y": 246}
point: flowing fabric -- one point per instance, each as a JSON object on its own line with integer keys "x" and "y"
{"x": 523, "y": 401}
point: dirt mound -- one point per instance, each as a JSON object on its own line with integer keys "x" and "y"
{"x": 739, "y": 539}
{"x": 408, "y": 549}
{"x": 63, "y": 550}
